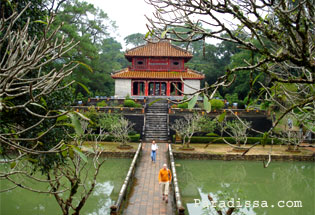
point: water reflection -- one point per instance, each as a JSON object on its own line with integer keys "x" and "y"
{"x": 109, "y": 181}
{"x": 248, "y": 181}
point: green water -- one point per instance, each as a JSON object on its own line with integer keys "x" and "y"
{"x": 288, "y": 184}
{"x": 109, "y": 182}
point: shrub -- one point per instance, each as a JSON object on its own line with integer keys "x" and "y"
{"x": 138, "y": 105}
{"x": 132, "y": 133}
{"x": 212, "y": 135}
{"x": 216, "y": 104}
{"x": 129, "y": 103}
{"x": 101, "y": 104}
{"x": 183, "y": 105}
{"x": 250, "y": 140}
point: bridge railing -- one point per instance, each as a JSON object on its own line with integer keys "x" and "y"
{"x": 116, "y": 207}
{"x": 180, "y": 210}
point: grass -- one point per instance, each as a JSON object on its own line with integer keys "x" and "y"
{"x": 225, "y": 149}
{"x": 112, "y": 146}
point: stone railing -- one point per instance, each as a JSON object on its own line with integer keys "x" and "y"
{"x": 124, "y": 110}
{"x": 115, "y": 208}
{"x": 239, "y": 112}
{"x": 178, "y": 202}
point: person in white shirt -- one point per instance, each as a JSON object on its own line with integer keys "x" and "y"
{"x": 154, "y": 147}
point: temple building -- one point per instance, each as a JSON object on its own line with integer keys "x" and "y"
{"x": 156, "y": 71}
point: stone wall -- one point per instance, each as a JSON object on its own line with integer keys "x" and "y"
{"x": 138, "y": 120}
{"x": 231, "y": 157}
{"x": 193, "y": 83}
{"x": 118, "y": 154}
{"x": 259, "y": 122}
{"x": 122, "y": 87}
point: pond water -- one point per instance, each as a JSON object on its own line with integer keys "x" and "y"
{"x": 109, "y": 182}
{"x": 284, "y": 188}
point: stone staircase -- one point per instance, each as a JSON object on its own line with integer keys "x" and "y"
{"x": 156, "y": 122}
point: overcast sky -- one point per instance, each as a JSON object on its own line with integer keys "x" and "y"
{"x": 128, "y": 15}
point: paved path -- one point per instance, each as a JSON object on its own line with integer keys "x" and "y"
{"x": 146, "y": 197}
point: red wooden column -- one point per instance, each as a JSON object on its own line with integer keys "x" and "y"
{"x": 146, "y": 88}
{"x": 168, "y": 88}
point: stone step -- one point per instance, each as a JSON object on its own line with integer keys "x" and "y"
{"x": 156, "y": 115}
{"x": 152, "y": 128}
{"x": 157, "y": 112}
{"x": 153, "y": 120}
{"x": 156, "y": 127}
{"x": 156, "y": 133}
{"x": 156, "y": 120}
{"x": 157, "y": 137}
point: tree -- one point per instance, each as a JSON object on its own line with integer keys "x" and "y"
{"x": 135, "y": 40}
{"x": 186, "y": 127}
{"x": 119, "y": 127}
{"x": 25, "y": 83}
{"x": 74, "y": 175}
{"x": 238, "y": 130}
{"x": 40, "y": 137}
{"x": 97, "y": 51}
{"x": 280, "y": 33}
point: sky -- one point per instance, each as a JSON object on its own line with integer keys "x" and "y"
{"x": 128, "y": 15}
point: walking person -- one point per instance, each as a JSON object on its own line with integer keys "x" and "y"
{"x": 154, "y": 147}
{"x": 165, "y": 177}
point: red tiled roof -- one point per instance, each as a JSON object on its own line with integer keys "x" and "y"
{"x": 127, "y": 74}
{"x": 159, "y": 49}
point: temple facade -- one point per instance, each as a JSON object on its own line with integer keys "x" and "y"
{"x": 157, "y": 70}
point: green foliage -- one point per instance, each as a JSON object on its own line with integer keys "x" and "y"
{"x": 193, "y": 101}
{"x": 212, "y": 135}
{"x": 136, "y": 39}
{"x": 216, "y": 104}
{"x": 231, "y": 98}
{"x": 81, "y": 97}
{"x": 96, "y": 51}
{"x": 183, "y": 105}
{"x": 107, "y": 120}
{"x": 206, "y": 124}
{"x": 264, "y": 105}
{"x": 129, "y": 103}
{"x": 101, "y": 104}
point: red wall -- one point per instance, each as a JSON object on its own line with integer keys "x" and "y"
{"x": 158, "y": 64}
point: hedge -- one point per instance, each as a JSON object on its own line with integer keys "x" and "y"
{"x": 250, "y": 140}
{"x": 133, "y": 138}
{"x": 216, "y": 104}
{"x": 131, "y": 103}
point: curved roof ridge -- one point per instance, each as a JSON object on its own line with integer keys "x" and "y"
{"x": 162, "y": 48}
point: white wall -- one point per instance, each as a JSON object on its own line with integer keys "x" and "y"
{"x": 193, "y": 83}
{"x": 122, "y": 87}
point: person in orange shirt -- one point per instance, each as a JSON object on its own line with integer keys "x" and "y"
{"x": 165, "y": 177}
